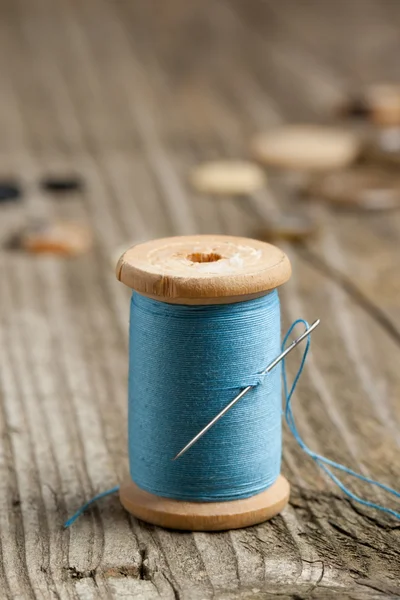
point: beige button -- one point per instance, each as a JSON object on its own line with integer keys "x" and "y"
{"x": 63, "y": 238}
{"x": 306, "y": 147}
{"x": 227, "y": 177}
{"x": 294, "y": 228}
{"x": 367, "y": 188}
{"x": 383, "y": 101}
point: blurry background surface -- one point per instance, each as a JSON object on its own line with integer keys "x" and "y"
{"x": 127, "y": 97}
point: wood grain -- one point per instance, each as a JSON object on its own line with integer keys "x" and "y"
{"x": 131, "y": 95}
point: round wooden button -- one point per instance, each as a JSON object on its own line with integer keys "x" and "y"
{"x": 367, "y": 188}
{"x": 383, "y": 100}
{"x": 227, "y": 177}
{"x": 306, "y": 147}
{"x": 61, "y": 237}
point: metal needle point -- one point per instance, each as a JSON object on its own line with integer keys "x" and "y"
{"x": 247, "y": 389}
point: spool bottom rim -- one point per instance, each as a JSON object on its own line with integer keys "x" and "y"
{"x": 205, "y": 516}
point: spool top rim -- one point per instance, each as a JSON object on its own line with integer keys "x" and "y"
{"x": 196, "y": 267}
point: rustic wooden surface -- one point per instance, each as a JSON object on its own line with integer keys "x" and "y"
{"x": 130, "y": 94}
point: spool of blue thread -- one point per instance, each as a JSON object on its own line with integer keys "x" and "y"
{"x": 172, "y": 279}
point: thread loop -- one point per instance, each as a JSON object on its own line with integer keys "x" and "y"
{"x": 321, "y": 461}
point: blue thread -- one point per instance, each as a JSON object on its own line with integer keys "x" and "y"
{"x": 321, "y": 461}
{"x": 186, "y": 364}
{"x": 82, "y": 509}
{"x": 209, "y": 347}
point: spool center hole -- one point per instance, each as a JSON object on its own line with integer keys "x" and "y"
{"x": 201, "y": 257}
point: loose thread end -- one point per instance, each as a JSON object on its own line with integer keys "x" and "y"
{"x": 85, "y": 506}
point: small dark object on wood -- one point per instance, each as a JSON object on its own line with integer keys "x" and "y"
{"x": 356, "y": 108}
{"x": 294, "y": 228}
{"x": 61, "y": 185}
{"x": 9, "y": 191}
{"x": 378, "y": 103}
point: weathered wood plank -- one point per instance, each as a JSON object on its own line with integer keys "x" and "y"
{"x": 131, "y": 95}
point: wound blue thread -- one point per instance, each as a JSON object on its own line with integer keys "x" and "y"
{"x": 186, "y": 363}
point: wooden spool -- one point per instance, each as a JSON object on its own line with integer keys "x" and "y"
{"x": 204, "y": 269}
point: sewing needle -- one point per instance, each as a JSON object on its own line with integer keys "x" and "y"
{"x": 247, "y": 389}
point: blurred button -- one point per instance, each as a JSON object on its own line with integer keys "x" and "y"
{"x": 9, "y": 191}
{"x": 227, "y": 177}
{"x": 367, "y": 188}
{"x": 306, "y": 147}
{"x": 60, "y": 185}
{"x": 383, "y": 100}
{"x": 294, "y": 228}
{"x": 62, "y": 238}
{"x": 356, "y": 108}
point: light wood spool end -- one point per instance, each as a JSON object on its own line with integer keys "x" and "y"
{"x": 204, "y": 269}
{"x": 205, "y": 516}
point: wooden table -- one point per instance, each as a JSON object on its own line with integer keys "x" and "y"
{"x": 130, "y": 95}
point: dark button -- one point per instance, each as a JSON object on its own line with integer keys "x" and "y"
{"x": 9, "y": 191}
{"x": 294, "y": 228}
{"x": 356, "y": 108}
{"x": 60, "y": 185}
